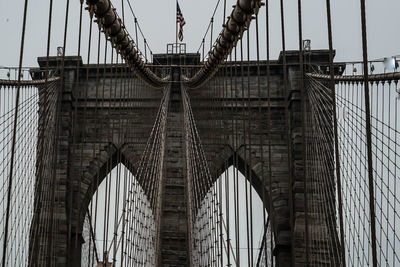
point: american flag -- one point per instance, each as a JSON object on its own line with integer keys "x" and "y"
{"x": 180, "y": 20}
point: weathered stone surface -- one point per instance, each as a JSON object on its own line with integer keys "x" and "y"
{"x": 226, "y": 114}
{"x": 174, "y": 249}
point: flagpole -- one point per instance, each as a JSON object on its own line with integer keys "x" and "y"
{"x": 176, "y": 27}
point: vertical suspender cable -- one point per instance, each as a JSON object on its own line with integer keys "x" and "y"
{"x": 211, "y": 33}
{"x": 10, "y": 179}
{"x": 39, "y": 181}
{"x": 244, "y": 132}
{"x": 249, "y": 119}
{"x": 269, "y": 124}
{"x": 53, "y": 186}
{"x": 335, "y": 125}
{"x": 303, "y": 132}
{"x": 369, "y": 135}
{"x": 236, "y": 185}
{"x": 59, "y": 93}
{"x": 97, "y": 178}
{"x": 145, "y": 50}
{"x": 122, "y": 126}
{"x": 203, "y": 44}
{"x": 76, "y": 116}
{"x": 259, "y": 116}
{"x": 95, "y": 182}
{"x": 289, "y": 141}
{"x": 136, "y": 33}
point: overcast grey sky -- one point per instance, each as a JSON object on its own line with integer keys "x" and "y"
{"x": 157, "y": 19}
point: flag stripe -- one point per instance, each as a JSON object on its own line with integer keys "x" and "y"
{"x": 180, "y": 19}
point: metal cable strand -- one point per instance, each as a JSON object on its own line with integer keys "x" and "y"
{"x": 115, "y": 31}
{"x": 236, "y": 24}
{"x": 382, "y": 77}
{"x": 210, "y": 231}
{"x": 28, "y": 82}
{"x": 353, "y": 140}
{"x": 14, "y": 139}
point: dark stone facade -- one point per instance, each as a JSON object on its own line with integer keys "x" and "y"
{"x": 218, "y": 119}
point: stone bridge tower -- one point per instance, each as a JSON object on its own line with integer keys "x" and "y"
{"x": 219, "y": 150}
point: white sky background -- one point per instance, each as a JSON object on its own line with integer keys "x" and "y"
{"x": 157, "y": 19}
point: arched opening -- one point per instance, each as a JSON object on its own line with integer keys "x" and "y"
{"x": 232, "y": 226}
{"x": 119, "y": 226}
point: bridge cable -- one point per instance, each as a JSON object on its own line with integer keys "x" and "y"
{"x": 14, "y": 137}
{"x": 269, "y": 126}
{"x": 369, "y": 136}
{"x": 288, "y": 137}
{"x": 249, "y": 119}
{"x": 303, "y": 132}
{"x": 40, "y": 181}
{"x": 83, "y": 133}
{"x": 263, "y": 249}
{"x": 335, "y": 129}
{"x": 208, "y": 28}
{"x": 137, "y": 26}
